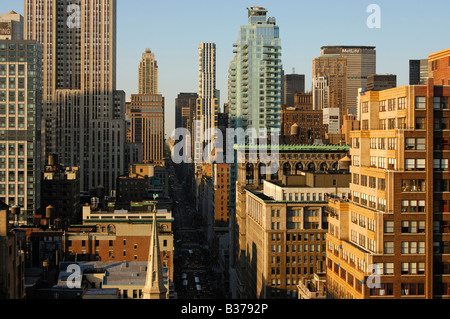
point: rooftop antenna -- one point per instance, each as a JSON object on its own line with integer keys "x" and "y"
{"x": 293, "y": 70}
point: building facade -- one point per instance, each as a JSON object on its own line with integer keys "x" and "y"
{"x": 20, "y": 126}
{"x": 146, "y": 113}
{"x": 286, "y": 226}
{"x": 255, "y": 74}
{"x": 292, "y": 160}
{"x": 148, "y": 73}
{"x": 82, "y": 120}
{"x": 418, "y": 72}
{"x": 61, "y": 190}
{"x": 293, "y": 83}
{"x": 379, "y": 82}
{"x": 207, "y": 108}
{"x": 361, "y": 62}
{"x": 396, "y": 221}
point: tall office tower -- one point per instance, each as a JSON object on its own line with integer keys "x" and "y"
{"x": 20, "y": 126}
{"x": 207, "y": 102}
{"x": 11, "y": 26}
{"x": 185, "y": 107}
{"x": 320, "y": 92}
{"x": 255, "y": 74}
{"x": 293, "y": 83}
{"x": 439, "y": 67}
{"x": 398, "y": 216}
{"x": 148, "y": 73}
{"x": 82, "y": 111}
{"x": 418, "y": 72}
{"x": 330, "y": 75}
{"x": 379, "y": 82}
{"x": 361, "y": 62}
{"x": 146, "y": 115}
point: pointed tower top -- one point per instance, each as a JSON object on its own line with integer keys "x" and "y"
{"x": 154, "y": 284}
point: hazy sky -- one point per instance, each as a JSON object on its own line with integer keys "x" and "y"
{"x": 173, "y": 29}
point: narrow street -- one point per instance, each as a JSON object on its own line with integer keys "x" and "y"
{"x": 193, "y": 275}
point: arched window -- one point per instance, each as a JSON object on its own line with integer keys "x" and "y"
{"x": 286, "y": 169}
{"x": 298, "y": 168}
{"x": 311, "y": 167}
{"x": 249, "y": 174}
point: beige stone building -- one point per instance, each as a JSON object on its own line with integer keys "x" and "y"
{"x": 286, "y": 226}
{"x": 292, "y": 160}
{"x": 148, "y": 73}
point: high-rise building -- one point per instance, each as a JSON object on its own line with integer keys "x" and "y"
{"x": 255, "y": 79}
{"x": 418, "y": 72}
{"x": 11, "y": 26}
{"x": 207, "y": 101}
{"x": 330, "y": 76}
{"x": 146, "y": 115}
{"x": 185, "y": 108}
{"x": 82, "y": 110}
{"x": 321, "y": 92}
{"x": 20, "y": 126}
{"x": 148, "y": 73}
{"x": 361, "y": 62}
{"x": 397, "y": 221}
{"x": 293, "y": 83}
{"x": 379, "y": 82}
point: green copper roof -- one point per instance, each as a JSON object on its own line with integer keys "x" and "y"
{"x": 295, "y": 147}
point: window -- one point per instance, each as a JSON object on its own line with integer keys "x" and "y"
{"x": 382, "y": 106}
{"x": 388, "y": 247}
{"x": 420, "y": 123}
{"x": 391, "y": 105}
{"x": 440, "y": 164}
{"x": 413, "y": 185}
{"x": 392, "y": 143}
{"x": 388, "y": 227}
{"x": 415, "y": 144}
{"x": 420, "y": 102}
{"x": 415, "y": 164}
{"x": 402, "y": 103}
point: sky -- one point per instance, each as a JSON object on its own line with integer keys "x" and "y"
{"x": 173, "y": 30}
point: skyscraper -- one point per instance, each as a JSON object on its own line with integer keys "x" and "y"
{"x": 11, "y": 26}
{"x": 293, "y": 83}
{"x": 255, "y": 74}
{"x": 207, "y": 102}
{"x": 360, "y": 63}
{"x": 148, "y": 73}
{"x": 82, "y": 110}
{"x": 146, "y": 115}
{"x": 330, "y": 83}
{"x": 20, "y": 126}
{"x": 418, "y": 72}
{"x": 255, "y": 80}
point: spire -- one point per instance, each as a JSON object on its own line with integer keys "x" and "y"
{"x": 154, "y": 285}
